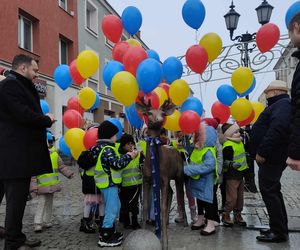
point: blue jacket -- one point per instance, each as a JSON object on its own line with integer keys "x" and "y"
{"x": 203, "y": 189}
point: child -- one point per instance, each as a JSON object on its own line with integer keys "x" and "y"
{"x": 107, "y": 178}
{"x": 131, "y": 184}
{"x": 46, "y": 185}
{"x": 202, "y": 172}
{"x": 234, "y": 166}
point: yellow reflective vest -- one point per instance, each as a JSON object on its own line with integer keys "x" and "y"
{"x": 131, "y": 175}
{"x": 50, "y": 179}
{"x": 239, "y": 155}
{"x": 143, "y": 145}
{"x": 90, "y": 172}
{"x": 174, "y": 145}
{"x": 101, "y": 177}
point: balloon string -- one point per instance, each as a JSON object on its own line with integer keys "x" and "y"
{"x": 196, "y": 36}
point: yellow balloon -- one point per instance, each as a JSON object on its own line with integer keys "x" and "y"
{"x": 258, "y": 107}
{"x": 212, "y": 43}
{"x": 179, "y": 91}
{"x": 76, "y": 154}
{"x": 87, "y": 63}
{"x": 87, "y": 97}
{"x": 242, "y": 79}
{"x": 133, "y": 42}
{"x": 172, "y": 121}
{"x": 74, "y": 140}
{"x": 162, "y": 95}
{"x": 124, "y": 88}
{"x": 241, "y": 109}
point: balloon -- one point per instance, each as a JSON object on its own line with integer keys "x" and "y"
{"x": 247, "y": 121}
{"x": 153, "y": 54}
{"x": 194, "y": 104}
{"x": 179, "y": 91}
{"x": 87, "y": 97}
{"x": 63, "y": 147}
{"x": 118, "y": 124}
{"x": 196, "y": 58}
{"x": 172, "y": 121}
{"x": 189, "y": 122}
{"x": 74, "y": 139}
{"x": 110, "y": 69}
{"x": 124, "y": 88}
{"x": 267, "y": 37}
{"x": 193, "y": 13}
{"x": 133, "y": 42}
{"x": 73, "y": 103}
{"x": 62, "y": 76}
{"x": 72, "y": 119}
{"x": 97, "y": 102}
{"x": 258, "y": 108}
{"x": 131, "y": 19}
{"x": 133, "y": 57}
{"x": 252, "y": 87}
{"x": 76, "y": 153}
{"x": 220, "y": 111}
{"x": 119, "y": 51}
{"x": 44, "y": 106}
{"x": 152, "y": 98}
{"x": 226, "y": 94}
{"x": 87, "y": 63}
{"x": 77, "y": 78}
{"x": 90, "y": 138}
{"x": 241, "y": 109}
{"x": 162, "y": 95}
{"x": 291, "y": 12}
{"x": 242, "y": 79}
{"x": 165, "y": 86}
{"x": 133, "y": 117}
{"x": 112, "y": 28}
{"x": 172, "y": 69}
{"x": 148, "y": 75}
{"x": 212, "y": 43}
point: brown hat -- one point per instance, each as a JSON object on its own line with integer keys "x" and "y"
{"x": 277, "y": 84}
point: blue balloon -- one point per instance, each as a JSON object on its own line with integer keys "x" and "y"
{"x": 252, "y": 87}
{"x": 109, "y": 71}
{"x": 193, "y": 13}
{"x": 64, "y": 148}
{"x": 117, "y": 123}
{"x": 45, "y": 106}
{"x": 226, "y": 94}
{"x": 153, "y": 54}
{"x": 192, "y": 103}
{"x": 172, "y": 69}
{"x": 132, "y": 19}
{"x": 133, "y": 117}
{"x": 62, "y": 76}
{"x": 97, "y": 102}
{"x": 148, "y": 75}
{"x": 291, "y": 12}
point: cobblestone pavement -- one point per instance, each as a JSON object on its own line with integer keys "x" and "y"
{"x": 68, "y": 212}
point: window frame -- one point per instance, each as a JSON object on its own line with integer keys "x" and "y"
{"x": 61, "y": 6}
{"x": 89, "y": 29}
{"x": 59, "y": 50}
{"x": 21, "y": 33}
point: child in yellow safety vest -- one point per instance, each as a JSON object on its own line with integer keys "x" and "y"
{"x": 46, "y": 185}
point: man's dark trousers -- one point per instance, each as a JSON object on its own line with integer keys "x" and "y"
{"x": 269, "y": 184}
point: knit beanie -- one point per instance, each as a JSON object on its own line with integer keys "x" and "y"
{"x": 126, "y": 138}
{"x": 228, "y": 131}
{"x": 107, "y": 130}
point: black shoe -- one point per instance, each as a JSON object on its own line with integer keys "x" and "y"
{"x": 32, "y": 243}
{"x": 86, "y": 227}
{"x": 109, "y": 238}
{"x": 118, "y": 235}
{"x": 271, "y": 237}
{"x": 264, "y": 231}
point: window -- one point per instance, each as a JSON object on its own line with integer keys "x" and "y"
{"x": 91, "y": 18}
{"x": 63, "y": 4}
{"x": 25, "y": 33}
{"x": 63, "y": 52}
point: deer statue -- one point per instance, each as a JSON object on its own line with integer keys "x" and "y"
{"x": 170, "y": 165}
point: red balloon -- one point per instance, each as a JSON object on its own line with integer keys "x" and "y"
{"x": 267, "y": 37}
{"x": 165, "y": 86}
{"x": 90, "y": 138}
{"x": 247, "y": 121}
{"x": 220, "y": 111}
{"x": 153, "y": 99}
{"x": 189, "y": 122}
{"x": 77, "y": 78}
{"x": 133, "y": 57}
{"x": 72, "y": 119}
{"x": 74, "y": 104}
{"x": 112, "y": 28}
{"x": 196, "y": 58}
{"x": 119, "y": 51}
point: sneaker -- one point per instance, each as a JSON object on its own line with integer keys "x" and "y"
{"x": 38, "y": 228}
{"x": 238, "y": 219}
{"x": 209, "y": 228}
{"x": 199, "y": 224}
{"x": 118, "y": 235}
{"x": 227, "y": 222}
{"x": 110, "y": 240}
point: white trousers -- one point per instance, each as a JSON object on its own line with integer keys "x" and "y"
{"x": 43, "y": 212}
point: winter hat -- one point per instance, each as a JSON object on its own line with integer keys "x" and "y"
{"x": 277, "y": 84}
{"x": 126, "y": 138}
{"x": 211, "y": 122}
{"x": 107, "y": 130}
{"x": 292, "y": 11}
{"x": 228, "y": 130}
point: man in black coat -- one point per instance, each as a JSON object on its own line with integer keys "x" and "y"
{"x": 269, "y": 138}
{"x": 23, "y": 147}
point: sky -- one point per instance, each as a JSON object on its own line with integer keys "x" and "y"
{"x": 164, "y": 30}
